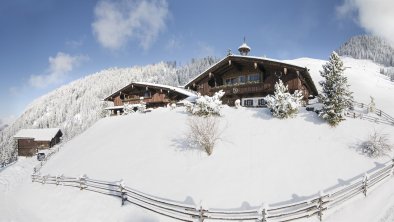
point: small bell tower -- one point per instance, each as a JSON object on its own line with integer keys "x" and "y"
{"x": 244, "y": 49}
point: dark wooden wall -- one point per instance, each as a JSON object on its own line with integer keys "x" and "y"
{"x": 26, "y": 147}
{"x": 269, "y": 75}
{"x": 29, "y": 147}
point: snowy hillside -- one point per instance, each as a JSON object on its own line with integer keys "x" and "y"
{"x": 368, "y": 47}
{"x": 259, "y": 159}
{"x": 76, "y": 106}
{"x": 364, "y": 78}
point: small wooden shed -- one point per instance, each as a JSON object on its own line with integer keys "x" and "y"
{"x": 30, "y": 141}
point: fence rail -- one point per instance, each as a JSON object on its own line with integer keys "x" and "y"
{"x": 382, "y": 116}
{"x": 315, "y": 206}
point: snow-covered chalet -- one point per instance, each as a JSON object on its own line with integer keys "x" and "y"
{"x": 250, "y": 78}
{"x": 153, "y": 95}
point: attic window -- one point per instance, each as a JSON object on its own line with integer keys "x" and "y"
{"x": 147, "y": 94}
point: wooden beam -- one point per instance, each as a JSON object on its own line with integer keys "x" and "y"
{"x": 238, "y": 66}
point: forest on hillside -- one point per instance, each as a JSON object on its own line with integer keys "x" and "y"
{"x": 78, "y": 105}
{"x": 372, "y": 48}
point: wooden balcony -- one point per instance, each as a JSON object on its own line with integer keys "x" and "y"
{"x": 154, "y": 99}
{"x": 246, "y": 88}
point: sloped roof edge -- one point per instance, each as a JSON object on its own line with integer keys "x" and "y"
{"x": 153, "y": 85}
{"x": 306, "y": 74}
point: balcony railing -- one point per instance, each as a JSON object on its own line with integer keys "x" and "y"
{"x": 243, "y": 88}
{"x": 154, "y": 99}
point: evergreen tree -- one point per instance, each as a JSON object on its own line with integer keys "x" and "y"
{"x": 336, "y": 96}
{"x": 283, "y": 104}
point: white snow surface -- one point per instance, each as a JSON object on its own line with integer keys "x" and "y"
{"x": 37, "y": 134}
{"x": 259, "y": 159}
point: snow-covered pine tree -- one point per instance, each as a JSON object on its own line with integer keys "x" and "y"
{"x": 335, "y": 96}
{"x": 206, "y": 105}
{"x": 283, "y": 104}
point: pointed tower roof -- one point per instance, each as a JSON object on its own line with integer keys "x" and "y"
{"x": 244, "y": 49}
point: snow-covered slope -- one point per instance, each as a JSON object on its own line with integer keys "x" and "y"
{"x": 76, "y": 106}
{"x": 364, "y": 79}
{"x": 259, "y": 159}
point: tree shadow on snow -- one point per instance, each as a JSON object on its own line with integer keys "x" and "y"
{"x": 262, "y": 113}
{"x": 310, "y": 116}
{"x": 184, "y": 144}
{"x": 357, "y": 146}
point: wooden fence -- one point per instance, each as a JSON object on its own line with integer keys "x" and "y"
{"x": 382, "y": 117}
{"x": 315, "y": 206}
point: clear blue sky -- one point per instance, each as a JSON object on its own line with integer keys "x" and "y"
{"x": 47, "y": 43}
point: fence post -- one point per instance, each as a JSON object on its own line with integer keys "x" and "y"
{"x": 365, "y": 184}
{"x": 320, "y": 207}
{"x": 82, "y": 182}
{"x": 201, "y": 213}
{"x": 123, "y": 194}
{"x": 263, "y": 212}
{"x": 392, "y": 167}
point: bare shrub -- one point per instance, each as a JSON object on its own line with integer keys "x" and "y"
{"x": 204, "y": 132}
{"x": 376, "y": 145}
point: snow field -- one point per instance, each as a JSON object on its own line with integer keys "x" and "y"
{"x": 260, "y": 159}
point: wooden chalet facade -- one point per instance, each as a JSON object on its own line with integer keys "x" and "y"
{"x": 30, "y": 141}
{"x": 153, "y": 95}
{"x": 251, "y": 78}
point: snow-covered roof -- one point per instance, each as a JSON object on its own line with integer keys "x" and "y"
{"x": 195, "y": 78}
{"x": 37, "y": 134}
{"x": 173, "y": 88}
{"x": 160, "y": 86}
{"x": 244, "y": 46}
{"x": 240, "y": 57}
{"x": 113, "y": 107}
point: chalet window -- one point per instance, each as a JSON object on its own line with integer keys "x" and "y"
{"x": 253, "y": 78}
{"x": 232, "y": 81}
{"x": 147, "y": 94}
{"x": 262, "y": 102}
{"x": 242, "y": 79}
{"x": 248, "y": 102}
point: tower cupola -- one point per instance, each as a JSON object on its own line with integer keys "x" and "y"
{"x": 244, "y": 49}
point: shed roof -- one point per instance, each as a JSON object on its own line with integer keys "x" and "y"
{"x": 37, "y": 134}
